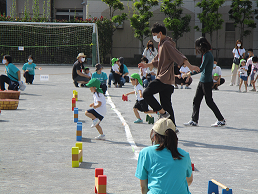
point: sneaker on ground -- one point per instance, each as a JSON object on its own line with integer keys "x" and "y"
{"x": 253, "y": 90}
{"x": 191, "y": 123}
{"x": 95, "y": 122}
{"x": 138, "y": 121}
{"x": 230, "y": 84}
{"x": 177, "y": 131}
{"x": 76, "y": 84}
{"x": 165, "y": 115}
{"x": 219, "y": 124}
{"x": 244, "y": 91}
{"x": 187, "y": 87}
{"x": 182, "y": 87}
{"x": 109, "y": 86}
{"x": 239, "y": 90}
{"x": 100, "y": 137}
{"x": 176, "y": 87}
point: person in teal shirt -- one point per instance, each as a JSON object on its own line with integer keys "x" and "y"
{"x": 164, "y": 168}
{"x": 205, "y": 85}
{"x": 13, "y": 74}
{"x": 101, "y": 76}
{"x": 29, "y": 70}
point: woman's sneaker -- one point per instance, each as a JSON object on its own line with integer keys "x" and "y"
{"x": 191, "y": 123}
{"x": 219, "y": 123}
{"x": 138, "y": 121}
{"x": 100, "y": 137}
{"x": 165, "y": 115}
{"x": 95, "y": 122}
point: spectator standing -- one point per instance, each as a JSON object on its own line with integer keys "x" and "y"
{"x": 78, "y": 67}
{"x": 150, "y": 52}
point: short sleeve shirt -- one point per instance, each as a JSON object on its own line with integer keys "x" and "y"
{"x": 243, "y": 70}
{"x": 136, "y": 90}
{"x": 216, "y": 70}
{"x": 31, "y": 67}
{"x": 125, "y": 70}
{"x": 165, "y": 175}
{"x": 12, "y": 70}
{"x": 184, "y": 69}
{"x": 241, "y": 52}
{"x": 101, "y": 77}
{"x": 99, "y": 97}
{"x": 77, "y": 66}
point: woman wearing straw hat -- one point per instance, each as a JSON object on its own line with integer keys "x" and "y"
{"x": 163, "y": 167}
{"x": 77, "y": 75}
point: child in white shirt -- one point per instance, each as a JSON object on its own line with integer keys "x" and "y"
{"x": 98, "y": 110}
{"x": 243, "y": 74}
{"x": 87, "y": 72}
{"x": 140, "y": 104}
{"x": 183, "y": 70}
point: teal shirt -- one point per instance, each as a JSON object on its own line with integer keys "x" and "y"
{"x": 125, "y": 69}
{"x": 12, "y": 70}
{"x": 31, "y": 67}
{"x": 165, "y": 175}
{"x": 101, "y": 77}
{"x": 206, "y": 68}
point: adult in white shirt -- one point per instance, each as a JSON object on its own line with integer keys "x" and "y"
{"x": 220, "y": 81}
{"x": 150, "y": 52}
{"x": 238, "y": 53}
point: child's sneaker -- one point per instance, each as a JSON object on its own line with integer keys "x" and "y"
{"x": 95, "y": 122}
{"x": 100, "y": 137}
{"x": 187, "y": 87}
{"x": 176, "y": 87}
{"x": 138, "y": 121}
{"x": 182, "y": 87}
{"x": 177, "y": 131}
{"x": 191, "y": 123}
{"x": 219, "y": 123}
{"x": 239, "y": 90}
{"x": 252, "y": 90}
{"x": 244, "y": 91}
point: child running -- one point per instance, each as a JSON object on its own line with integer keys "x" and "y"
{"x": 98, "y": 110}
{"x": 243, "y": 74}
{"x": 140, "y": 104}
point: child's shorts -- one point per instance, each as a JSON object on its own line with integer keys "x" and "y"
{"x": 141, "y": 105}
{"x": 244, "y": 78}
{"x": 97, "y": 115}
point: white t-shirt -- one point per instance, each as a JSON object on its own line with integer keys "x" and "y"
{"x": 115, "y": 67}
{"x": 184, "y": 69}
{"x": 242, "y": 70}
{"x": 151, "y": 71}
{"x": 216, "y": 70}
{"x": 149, "y": 54}
{"x": 100, "y": 97}
{"x": 143, "y": 71}
{"x": 241, "y": 52}
{"x": 250, "y": 62}
{"x": 137, "y": 94}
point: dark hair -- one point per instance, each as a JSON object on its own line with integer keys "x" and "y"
{"x": 169, "y": 141}
{"x": 30, "y": 56}
{"x": 8, "y": 58}
{"x": 156, "y": 28}
{"x": 251, "y": 50}
{"x": 241, "y": 47}
{"x": 144, "y": 59}
{"x": 255, "y": 59}
{"x": 148, "y": 45}
{"x": 202, "y": 45}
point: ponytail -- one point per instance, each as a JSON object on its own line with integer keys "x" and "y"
{"x": 169, "y": 141}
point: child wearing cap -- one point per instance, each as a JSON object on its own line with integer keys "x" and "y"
{"x": 115, "y": 71}
{"x": 140, "y": 104}
{"x": 243, "y": 74}
{"x": 98, "y": 110}
{"x": 101, "y": 76}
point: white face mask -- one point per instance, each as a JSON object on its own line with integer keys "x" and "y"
{"x": 156, "y": 38}
{"x": 4, "y": 61}
{"x": 30, "y": 60}
{"x": 238, "y": 45}
{"x": 82, "y": 59}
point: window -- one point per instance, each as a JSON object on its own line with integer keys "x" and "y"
{"x": 69, "y": 14}
{"x": 230, "y": 27}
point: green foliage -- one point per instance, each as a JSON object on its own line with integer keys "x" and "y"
{"x": 210, "y": 18}
{"x": 175, "y": 22}
{"x": 13, "y": 9}
{"x": 35, "y": 8}
{"x": 140, "y": 20}
{"x": 113, "y": 6}
{"x": 26, "y": 10}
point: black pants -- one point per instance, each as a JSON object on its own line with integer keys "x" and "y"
{"x": 104, "y": 88}
{"x": 116, "y": 78}
{"x": 165, "y": 91}
{"x": 12, "y": 84}
{"x": 204, "y": 89}
{"x": 29, "y": 78}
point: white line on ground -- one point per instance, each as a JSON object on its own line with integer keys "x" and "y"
{"x": 128, "y": 133}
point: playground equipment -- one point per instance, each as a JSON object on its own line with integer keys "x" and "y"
{"x": 75, "y": 115}
{"x": 77, "y": 154}
{"x": 213, "y": 187}
{"x": 124, "y": 98}
{"x": 75, "y": 95}
{"x": 73, "y": 103}
{"x": 100, "y": 181}
{"x": 149, "y": 119}
{"x": 79, "y": 131}
{"x": 192, "y": 166}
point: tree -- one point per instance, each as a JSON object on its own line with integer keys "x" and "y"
{"x": 174, "y": 22}
{"x": 140, "y": 20}
{"x": 242, "y": 14}
{"x": 210, "y": 18}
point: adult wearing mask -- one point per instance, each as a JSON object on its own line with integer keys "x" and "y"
{"x": 150, "y": 52}
{"x": 77, "y": 75}
{"x": 238, "y": 54}
{"x": 13, "y": 78}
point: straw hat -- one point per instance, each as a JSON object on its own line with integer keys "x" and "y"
{"x": 81, "y": 55}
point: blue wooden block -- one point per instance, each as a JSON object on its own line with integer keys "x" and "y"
{"x": 75, "y": 115}
{"x": 213, "y": 188}
{"x": 79, "y": 131}
{"x": 227, "y": 192}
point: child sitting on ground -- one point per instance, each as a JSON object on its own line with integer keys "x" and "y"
{"x": 215, "y": 80}
{"x": 184, "y": 69}
{"x": 98, "y": 110}
{"x": 28, "y": 69}
{"x": 115, "y": 71}
{"x": 86, "y": 71}
{"x": 143, "y": 71}
{"x": 101, "y": 76}
{"x": 140, "y": 104}
{"x": 243, "y": 74}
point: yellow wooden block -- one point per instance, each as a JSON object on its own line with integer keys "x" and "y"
{"x": 75, "y": 150}
{"x": 75, "y": 164}
{"x": 79, "y": 145}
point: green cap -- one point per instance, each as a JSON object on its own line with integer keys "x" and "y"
{"x": 95, "y": 83}
{"x": 114, "y": 60}
{"x": 242, "y": 60}
{"x": 137, "y": 76}
{"x": 215, "y": 74}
